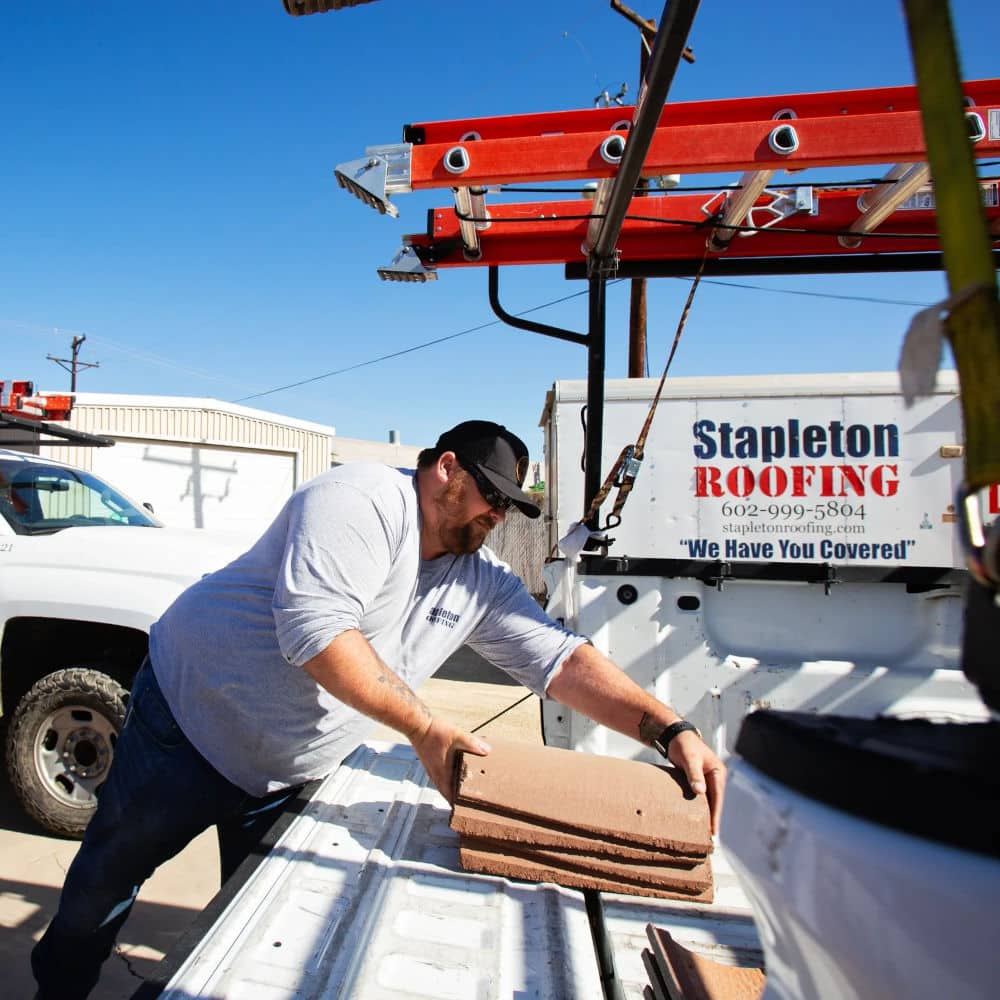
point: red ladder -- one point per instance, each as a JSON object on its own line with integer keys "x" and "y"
{"x": 755, "y": 219}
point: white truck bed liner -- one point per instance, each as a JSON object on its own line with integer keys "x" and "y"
{"x": 363, "y": 897}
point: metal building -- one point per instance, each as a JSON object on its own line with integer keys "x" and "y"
{"x": 200, "y": 463}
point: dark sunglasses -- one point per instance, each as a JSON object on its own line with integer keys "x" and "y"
{"x": 496, "y": 499}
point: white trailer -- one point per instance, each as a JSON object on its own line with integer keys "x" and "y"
{"x": 788, "y": 543}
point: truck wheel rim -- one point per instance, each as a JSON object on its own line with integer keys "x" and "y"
{"x": 73, "y": 751}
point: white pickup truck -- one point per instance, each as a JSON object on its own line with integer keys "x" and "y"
{"x": 84, "y": 572}
{"x": 790, "y": 545}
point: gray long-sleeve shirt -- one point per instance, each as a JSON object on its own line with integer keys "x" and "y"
{"x": 344, "y": 553}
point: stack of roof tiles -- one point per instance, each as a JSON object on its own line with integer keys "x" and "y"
{"x": 583, "y": 821}
{"x": 676, "y": 973}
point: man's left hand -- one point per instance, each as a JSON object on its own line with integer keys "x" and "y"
{"x": 706, "y": 774}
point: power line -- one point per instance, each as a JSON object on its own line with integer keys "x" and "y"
{"x": 407, "y": 350}
{"x": 372, "y": 361}
{"x": 164, "y": 362}
{"x": 813, "y": 295}
{"x": 566, "y": 298}
{"x": 144, "y": 357}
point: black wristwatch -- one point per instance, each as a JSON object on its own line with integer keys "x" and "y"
{"x": 662, "y": 741}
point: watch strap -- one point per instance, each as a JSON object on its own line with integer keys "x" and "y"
{"x": 662, "y": 741}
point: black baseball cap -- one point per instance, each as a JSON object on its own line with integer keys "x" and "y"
{"x": 499, "y": 456}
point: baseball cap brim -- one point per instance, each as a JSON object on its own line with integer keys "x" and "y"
{"x": 524, "y": 502}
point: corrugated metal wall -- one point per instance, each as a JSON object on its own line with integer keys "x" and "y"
{"x": 200, "y": 422}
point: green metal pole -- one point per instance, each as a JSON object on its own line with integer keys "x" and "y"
{"x": 974, "y": 323}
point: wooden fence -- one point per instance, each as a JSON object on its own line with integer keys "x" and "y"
{"x": 521, "y": 542}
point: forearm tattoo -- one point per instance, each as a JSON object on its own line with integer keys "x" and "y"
{"x": 404, "y": 691}
{"x": 649, "y": 729}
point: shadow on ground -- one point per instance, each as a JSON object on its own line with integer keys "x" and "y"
{"x": 33, "y": 864}
{"x": 150, "y": 932}
{"x": 466, "y": 665}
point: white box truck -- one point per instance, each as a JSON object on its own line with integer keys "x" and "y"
{"x": 788, "y": 543}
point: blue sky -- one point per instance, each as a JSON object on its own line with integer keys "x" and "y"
{"x": 166, "y": 187}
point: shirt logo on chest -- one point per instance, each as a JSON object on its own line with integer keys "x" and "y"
{"x": 441, "y": 616}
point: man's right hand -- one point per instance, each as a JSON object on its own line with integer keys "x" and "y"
{"x": 353, "y": 673}
{"x": 437, "y": 746}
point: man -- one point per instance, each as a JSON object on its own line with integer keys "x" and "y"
{"x": 264, "y": 675}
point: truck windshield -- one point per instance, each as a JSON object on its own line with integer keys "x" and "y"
{"x": 39, "y": 499}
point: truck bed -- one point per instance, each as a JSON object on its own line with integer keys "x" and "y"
{"x": 363, "y": 896}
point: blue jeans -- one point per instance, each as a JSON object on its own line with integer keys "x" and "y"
{"x": 159, "y": 795}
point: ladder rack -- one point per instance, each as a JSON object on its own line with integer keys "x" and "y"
{"x": 760, "y": 136}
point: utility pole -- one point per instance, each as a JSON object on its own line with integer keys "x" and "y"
{"x": 637, "y": 300}
{"x": 74, "y": 363}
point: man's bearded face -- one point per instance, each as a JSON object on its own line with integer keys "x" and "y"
{"x": 460, "y": 533}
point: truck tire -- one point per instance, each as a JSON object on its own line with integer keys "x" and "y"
{"x": 60, "y": 745}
